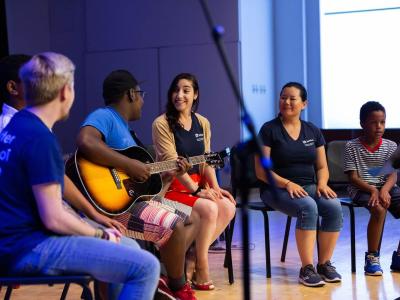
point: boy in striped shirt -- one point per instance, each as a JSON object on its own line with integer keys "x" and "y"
{"x": 376, "y": 193}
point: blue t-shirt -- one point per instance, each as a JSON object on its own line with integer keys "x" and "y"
{"x": 113, "y": 127}
{"x": 29, "y": 155}
{"x": 292, "y": 159}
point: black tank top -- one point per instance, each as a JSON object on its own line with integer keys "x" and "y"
{"x": 190, "y": 142}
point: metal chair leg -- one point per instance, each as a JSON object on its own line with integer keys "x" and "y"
{"x": 65, "y": 291}
{"x": 229, "y": 234}
{"x": 352, "y": 240}
{"x": 318, "y": 225}
{"x": 286, "y": 238}
{"x": 228, "y": 254}
{"x": 8, "y": 292}
{"x": 267, "y": 245}
{"x": 82, "y": 280}
{"x": 96, "y": 289}
{"x": 86, "y": 292}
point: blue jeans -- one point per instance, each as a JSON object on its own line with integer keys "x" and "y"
{"x": 307, "y": 209}
{"x": 137, "y": 269}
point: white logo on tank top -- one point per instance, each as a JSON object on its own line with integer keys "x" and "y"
{"x": 199, "y": 137}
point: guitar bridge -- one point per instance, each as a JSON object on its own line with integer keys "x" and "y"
{"x": 116, "y": 178}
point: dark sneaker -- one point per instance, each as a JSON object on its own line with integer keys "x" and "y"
{"x": 395, "y": 266}
{"x": 185, "y": 293}
{"x": 372, "y": 265}
{"x": 309, "y": 277}
{"x": 163, "y": 292}
{"x": 328, "y": 272}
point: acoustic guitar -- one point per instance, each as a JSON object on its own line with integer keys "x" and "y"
{"x": 112, "y": 191}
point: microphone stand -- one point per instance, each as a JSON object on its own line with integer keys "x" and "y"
{"x": 244, "y": 149}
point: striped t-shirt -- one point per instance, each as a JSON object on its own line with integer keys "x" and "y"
{"x": 358, "y": 157}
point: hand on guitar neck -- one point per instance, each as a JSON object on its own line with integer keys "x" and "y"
{"x": 182, "y": 164}
{"x": 137, "y": 170}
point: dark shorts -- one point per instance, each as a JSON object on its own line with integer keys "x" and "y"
{"x": 362, "y": 198}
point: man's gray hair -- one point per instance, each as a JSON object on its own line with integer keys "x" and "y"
{"x": 44, "y": 76}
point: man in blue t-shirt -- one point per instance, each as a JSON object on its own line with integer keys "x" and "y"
{"x": 37, "y": 234}
{"x": 156, "y": 220}
{"x": 11, "y": 94}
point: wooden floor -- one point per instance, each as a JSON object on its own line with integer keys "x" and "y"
{"x": 283, "y": 284}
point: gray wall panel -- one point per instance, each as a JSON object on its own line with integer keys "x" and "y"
{"x": 67, "y": 23}
{"x": 127, "y": 24}
{"x": 101, "y": 35}
{"x": 28, "y": 26}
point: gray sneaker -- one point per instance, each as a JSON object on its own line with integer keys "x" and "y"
{"x": 309, "y": 277}
{"x": 328, "y": 272}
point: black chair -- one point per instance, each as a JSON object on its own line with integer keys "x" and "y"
{"x": 338, "y": 181}
{"x": 236, "y": 186}
{"x": 82, "y": 280}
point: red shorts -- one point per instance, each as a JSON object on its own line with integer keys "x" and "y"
{"x": 178, "y": 192}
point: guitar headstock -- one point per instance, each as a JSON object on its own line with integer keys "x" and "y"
{"x": 216, "y": 159}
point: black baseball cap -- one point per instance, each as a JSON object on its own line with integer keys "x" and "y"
{"x": 116, "y": 84}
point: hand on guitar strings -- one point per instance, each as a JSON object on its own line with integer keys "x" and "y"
{"x": 138, "y": 170}
{"x": 183, "y": 165}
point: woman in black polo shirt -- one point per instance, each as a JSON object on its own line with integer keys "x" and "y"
{"x": 300, "y": 170}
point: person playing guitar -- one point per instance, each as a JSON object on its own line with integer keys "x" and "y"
{"x": 154, "y": 220}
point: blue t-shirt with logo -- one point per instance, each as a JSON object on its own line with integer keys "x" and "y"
{"x": 29, "y": 155}
{"x": 113, "y": 127}
{"x": 293, "y": 159}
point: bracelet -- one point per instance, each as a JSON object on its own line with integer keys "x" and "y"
{"x": 196, "y": 191}
{"x": 287, "y": 183}
{"x": 100, "y": 233}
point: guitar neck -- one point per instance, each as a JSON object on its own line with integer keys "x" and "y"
{"x": 169, "y": 165}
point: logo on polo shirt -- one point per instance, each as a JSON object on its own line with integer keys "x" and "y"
{"x": 309, "y": 142}
{"x": 199, "y": 137}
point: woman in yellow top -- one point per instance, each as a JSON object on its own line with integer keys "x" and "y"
{"x": 182, "y": 132}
